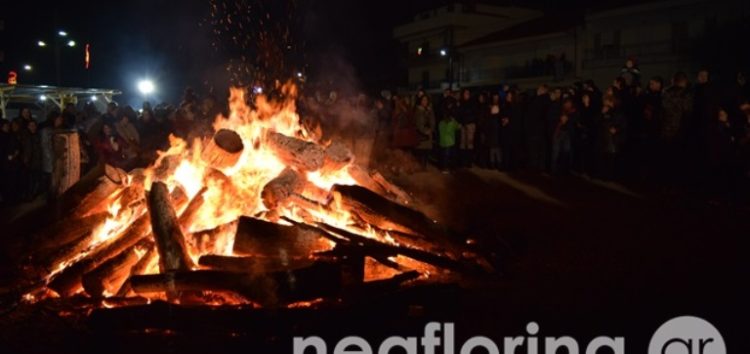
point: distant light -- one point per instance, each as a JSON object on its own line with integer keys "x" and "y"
{"x": 146, "y": 86}
{"x": 419, "y": 51}
{"x": 42, "y": 97}
{"x": 27, "y": 67}
{"x": 93, "y": 98}
{"x": 299, "y": 74}
{"x": 41, "y": 44}
{"x": 258, "y": 90}
{"x": 443, "y": 52}
{"x": 140, "y": 110}
{"x": 71, "y": 43}
{"x": 62, "y": 33}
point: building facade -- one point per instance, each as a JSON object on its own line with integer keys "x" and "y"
{"x": 430, "y": 44}
{"x": 527, "y": 48}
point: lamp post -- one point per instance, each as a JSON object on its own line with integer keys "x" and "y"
{"x": 60, "y": 40}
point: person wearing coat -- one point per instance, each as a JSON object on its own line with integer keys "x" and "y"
{"x": 424, "y": 118}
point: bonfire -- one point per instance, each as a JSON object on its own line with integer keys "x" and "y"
{"x": 264, "y": 212}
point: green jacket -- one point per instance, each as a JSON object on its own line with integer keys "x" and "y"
{"x": 447, "y": 130}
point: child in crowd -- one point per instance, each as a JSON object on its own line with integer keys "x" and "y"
{"x": 447, "y": 130}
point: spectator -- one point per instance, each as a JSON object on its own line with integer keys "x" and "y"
{"x": 32, "y": 159}
{"x": 111, "y": 116}
{"x": 721, "y": 156}
{"x": 561, "y": 146}
{"x": 491, "y": 132}
{"x": 25, "y": 116}
{"x": 127, "y": 131}
{"x": 584, "y": 136}
{"x": 613, "y": 123}
{"x": 424, "y": 118}
{"x": 536, "y": 128}
{"x": 53, "y": 124}
{"x": 677, "y": 104}
{"x": 111, "y": 148}
{"x": 630, "y": 72}
{"x": 467, "y": 115}
{"x": 448, "y": 127}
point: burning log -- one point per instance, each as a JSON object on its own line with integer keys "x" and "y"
{"x": 90, "y": 193}
{"x": 362, "y": 177}
{"x": 167, "y": 232}
{"x": 258, "y": 237}
{"x": 378, "y": 249}
{"x": 250, "y": 264}
{"x": 337, "y": 156}
{"x": 298, "y": 153}
{"x": 67, "y": 232}
{"x": 191, "y": 211}
{"x": 279, "y": 189}
{"x": 400, "y": 195}
{"x": 138, "y": 269}
{"x": 321, "y": 279}
{"x": 224, "y": 149}
{"x": 383, "y": 213}
{"x": 110, "y": 275}
{"x": 69, "y": 280}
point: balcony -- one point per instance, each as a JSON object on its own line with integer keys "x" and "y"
{"x": 645, "y": 52}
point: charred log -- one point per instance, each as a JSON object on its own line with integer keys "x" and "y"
{"x": 251, "y": 264}
{"x": 322, "y": 279}
{"x": 262, "y": 238}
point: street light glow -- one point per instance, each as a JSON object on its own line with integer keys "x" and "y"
{"x": 93, "y": 98}
{"x": 27, "y": 67}
{"x": 42, "y": 97}
{"x": 71, "y": 43}
{"x": 41, "y": 44}
{"x": 62, "y": 33}
{"x": 443, "y": 52}
{"x": 146, "y": 86}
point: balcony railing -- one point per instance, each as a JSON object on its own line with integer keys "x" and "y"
{"x": 641, "y": 51}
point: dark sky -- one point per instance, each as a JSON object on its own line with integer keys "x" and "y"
{"x": 180, "y": 43}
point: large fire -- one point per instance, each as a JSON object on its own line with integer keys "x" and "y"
{"x": 212, "y": 188}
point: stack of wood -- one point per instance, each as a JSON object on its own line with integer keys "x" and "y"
{"x": 273, "y": 260}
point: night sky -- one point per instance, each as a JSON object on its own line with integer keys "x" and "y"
{"x": 182, "y": 43}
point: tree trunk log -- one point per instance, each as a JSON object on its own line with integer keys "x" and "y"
{"x": 298, "y": 153}
{"x": 279, "y": 189}
{"x": 322, "y": 279}
{"x": 262, "y": 238}
{"x": 223, "y": 150}
{"x": 69, "y": 280}
{"x": 139, "y": 268}
{"x": 110, "y": 275}
{"x": 167, "y": 232}
{"x": 250, "y": 264}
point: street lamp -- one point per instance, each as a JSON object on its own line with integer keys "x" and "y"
{"x": 58, "y": 42}
{"x": 27, "y": 67}
{"x": 146, "y": 87}
{"x": 443, "y": 52}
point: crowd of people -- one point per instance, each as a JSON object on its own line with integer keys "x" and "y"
{"x": 120, "y": 136}
{"x": 673, "y": 133}
{"x": 676, "y": 134}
